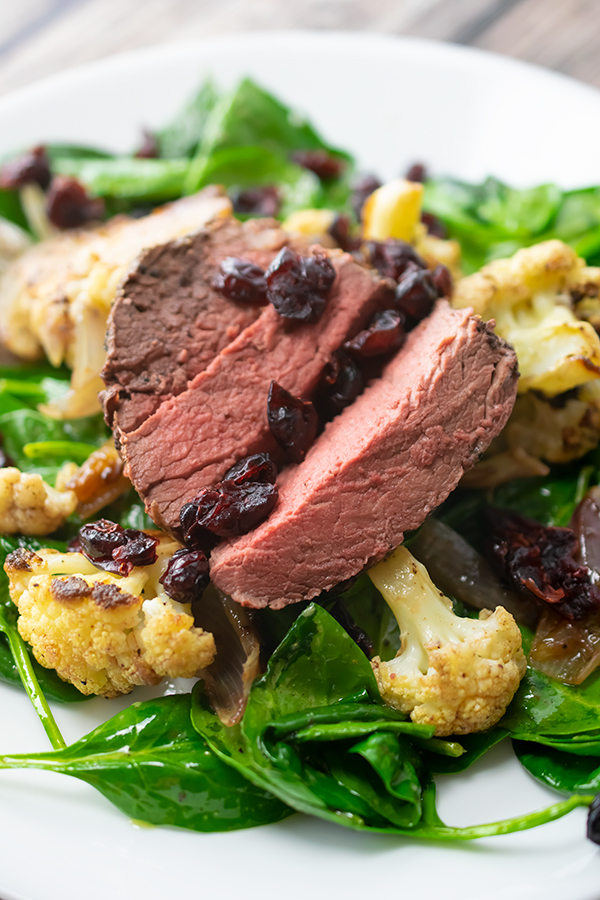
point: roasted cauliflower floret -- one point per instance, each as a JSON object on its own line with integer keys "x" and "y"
{"x": 455, "y": 673}
{"x": 29, "y": 505}
{"x": 105, "y": 633}
{"x": 55, "y": 298}
{"x": 532, "y": 296}
{"x": 540, "y": 431}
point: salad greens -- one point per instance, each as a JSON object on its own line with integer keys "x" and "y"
{"x": 16, "y": 663}
{"x": 492, "y": 220}
{"x": 315, "y": 736}
{"x": 151, "y": 764}
{"x": 241, "y": 138}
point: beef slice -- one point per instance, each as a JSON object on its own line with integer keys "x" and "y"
{"x": 191, "y": 440}
{"x": 168, "y": 322}
{"x": 380, "y": 467}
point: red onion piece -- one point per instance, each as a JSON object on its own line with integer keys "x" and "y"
{"x": 237, "y": 663}
{"x": 460, "y": 571}
{"x": 568, "y": 651}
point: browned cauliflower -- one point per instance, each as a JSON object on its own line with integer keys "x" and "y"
{"x": 532, "y": 297}
{"x": 457, "y": 674}
{"x": 55, "y": 298}
{"x": 540, "y": 431}
{"x": 102, "y": 632}
{"x": 29, "y": 505}
{"x": 539, "y": 299}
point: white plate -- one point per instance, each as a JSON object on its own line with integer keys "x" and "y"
{"x": 391, "y": 102}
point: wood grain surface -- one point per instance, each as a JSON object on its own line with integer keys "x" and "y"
{"x": 39, "y": 37}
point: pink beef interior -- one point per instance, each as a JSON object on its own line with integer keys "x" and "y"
{"x": 168, "y": 323}
{"x": 380, "y": 467}
{"x": 193, "y": 438}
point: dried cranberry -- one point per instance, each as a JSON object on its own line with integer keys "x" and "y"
{"x": 325, "y": 165}
{"x": 341, "y": 384}
{"x": 543, "y": 560}
{"x": 292, "y": 421}
{"x": 384, "y": 335}
{"x": 360, "y": 637}
{"x": 32, "y": 167}
{"x": 69, "y": 205}
{"x": 593, "y": 820}
{"x": 229, "y": 509}
{"x": 258, "y": 201}
{"x": 297, "y": 286}
{"x": 362, "y": 189}
{"x": 392, "y": 258}
{"x": 341, "y": 233}
{"x": 434, "y": 225}
{"x": 113, "y": 548}
{"x": 149, "y": 148}
{"x": 241, "y": 281}
{"x": 140, "y": 549}
{"x": 235, "y": 506}
{"x": 5, "y": 459}
{"x": 194, "y": 534}
{"x": 415, "y": 295}
{"x": 186, "y": 576}
{"x": 258, "y": 467}
{"x": 442, "y": 280}
{"x": 417, "y": 172}
{"x": 99, "y": 539}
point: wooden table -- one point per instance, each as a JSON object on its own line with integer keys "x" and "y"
{"x": 39, "y": 37}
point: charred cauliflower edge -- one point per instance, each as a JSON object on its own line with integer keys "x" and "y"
{"x": 104, "y": 633}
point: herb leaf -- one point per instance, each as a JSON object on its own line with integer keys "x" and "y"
{"x": 151, "y": 764}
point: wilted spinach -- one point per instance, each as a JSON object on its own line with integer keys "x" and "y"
{"x": 316, "y": 734}
{"x": 559, "y": 770}
{"x": 153, "y": 766}
{"x": 492, "y": 220}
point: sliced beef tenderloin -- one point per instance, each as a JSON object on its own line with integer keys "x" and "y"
{"x": 380, "y": 467}
{"x": 168, "y": 322}
{"x": 192, "y": 439}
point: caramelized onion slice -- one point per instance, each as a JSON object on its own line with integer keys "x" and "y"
{"x": 569, "y": 651}
{"x": 229, "y": 679}
{"x": 461, "y": 572}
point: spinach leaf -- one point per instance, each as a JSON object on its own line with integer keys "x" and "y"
{"x": 371, "y": 613}
{"x": 38, "y": 443}
{"x": 124, "y": 177}
{"x": 180, "y": 139}
{"x": 551, "y": 499}
{"x": 578, "y": 222}
{"x": 492, "y": 220}
{"x": 545, "y": 708}
{"x": 558, "y": 770}
{"x": 517, "y": 213}
{"x": 474, "y": 747}
{"x": 249, "y": 117}
{"x": 24, "y": 666}
{"x": 151, "y": 764}
{"x": 57, "y": 152}
{"x": 316, "y": 735}
{"x": 11, "y": 209}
